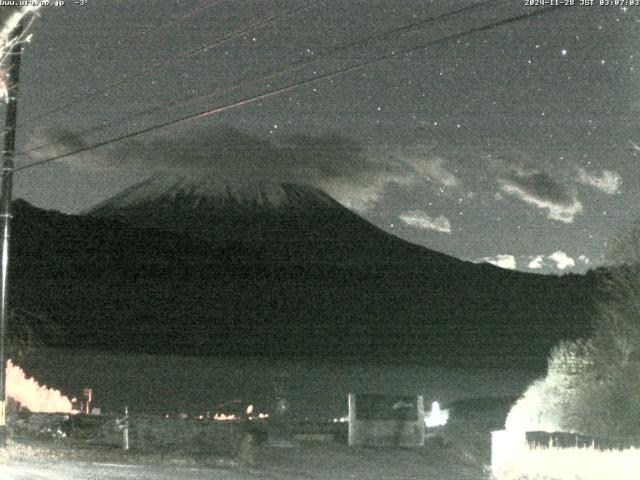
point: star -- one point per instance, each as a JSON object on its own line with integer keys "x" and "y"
{"x": 532, "y": 121}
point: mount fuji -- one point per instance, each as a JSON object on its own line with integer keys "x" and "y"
{"x": 195, "y": 264}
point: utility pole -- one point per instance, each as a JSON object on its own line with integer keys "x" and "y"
{"x": 11, "y": 81}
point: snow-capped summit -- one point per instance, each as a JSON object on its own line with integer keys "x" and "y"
{"x": 197, "y": 189}
{"x": 206, "y": 205}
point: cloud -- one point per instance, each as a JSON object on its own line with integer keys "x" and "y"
{"x": 536, "y": 262}
{"x": 562, "y": 260}
{"x": 340, "y": 166}
{"x": 584, "y": 259}
{"x": 608, "y": 182}
{"x": 419, "y": 219}
{"x": 353, "y": 174}
{"x": 436, "y": 169}
{"x": 502, "y": 261}
{"x": 540, "y": 189}
{"x": 429, "y": 165}
{"x": 52, "y": 142}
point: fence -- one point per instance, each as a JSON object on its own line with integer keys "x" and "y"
{"x": 146, "y": 433}
{"x": 563, "y": 455}
{"x": 168, "y": 434}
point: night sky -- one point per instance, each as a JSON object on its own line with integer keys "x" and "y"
{"x": 517, "y": 144}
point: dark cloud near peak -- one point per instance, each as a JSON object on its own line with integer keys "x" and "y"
{"x": 540, "y": 185}
{"x": 221, "y": 147}
{"x": 331, "y": 154}
{"x": 339, "y": 165}
{"x": 539, "y": 188}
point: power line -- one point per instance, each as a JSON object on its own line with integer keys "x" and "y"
{"x": 163, "y": 63}
{"x": 277, "y": 91}
{"x": 179, "y": 18}
{"x": 174, "y": 20}
{"x": 271, "y": 73}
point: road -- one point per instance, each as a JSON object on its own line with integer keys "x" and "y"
{"x": 115, "y": 471}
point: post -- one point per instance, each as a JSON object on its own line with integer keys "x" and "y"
{"x": 87, "y": 393}
{"x": 353, "y": 440}
{"x": 125, "y": 430}
{"x": 12, "y": 81}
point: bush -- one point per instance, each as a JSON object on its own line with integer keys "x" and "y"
{"x": 593, "y": 386}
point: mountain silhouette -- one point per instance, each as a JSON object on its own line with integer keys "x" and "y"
{"x": 197, "y": 266}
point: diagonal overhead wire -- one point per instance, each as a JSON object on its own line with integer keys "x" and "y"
{"x": 278, "y": 91}
{"x": 151, "y": 31}
{"x": 160, "y": 64}
{"x": 269, "y": 74}
{"x": 184, "y": 16}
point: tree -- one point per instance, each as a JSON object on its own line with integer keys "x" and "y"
{"x": 593, "y": 386}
